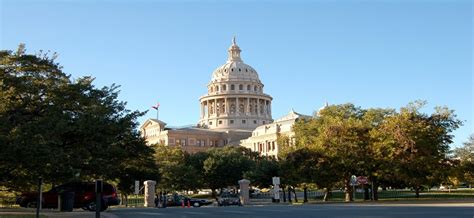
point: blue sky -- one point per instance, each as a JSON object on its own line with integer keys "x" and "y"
{"x": 370, "y": 53}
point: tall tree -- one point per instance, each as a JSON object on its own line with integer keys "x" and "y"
{"x": 226, "y": 166}
{"x": 418, "y": 143}
{"x": 466, "y": 156}
{"x": 58, "y": 128}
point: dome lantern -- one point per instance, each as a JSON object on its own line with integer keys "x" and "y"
{"x": 234, "y": 52}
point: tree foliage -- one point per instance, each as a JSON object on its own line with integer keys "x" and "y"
{"x": 61, "y": 129}
{"x": 225, "y": 166}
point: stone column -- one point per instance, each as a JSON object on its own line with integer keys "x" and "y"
{"x": 244, "y": 191}
{"x": 207, "y": 105}
{"x": 226, "y": 106}
{"x": 270, "y": 108}
{"x": 265, "y": 111}
{"x": 149, "y": 193}
{"x": 258, "y": 107}
{"x": 237, "y": 106}
{"x": 202, "y": 110}
{"x": 249, "y": 110}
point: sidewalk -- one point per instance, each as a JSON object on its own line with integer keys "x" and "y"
{"x": 28, "y": 212}
{"x": 420, "y": 202}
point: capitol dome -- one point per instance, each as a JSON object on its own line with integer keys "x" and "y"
{"x": 235, "y": 98}
{"x": 235, "y": 68}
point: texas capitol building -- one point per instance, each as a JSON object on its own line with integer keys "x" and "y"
{"x": 235, "y": 111}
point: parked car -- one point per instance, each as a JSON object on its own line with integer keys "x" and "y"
{"x": 227, "y": 199}
{"x": 178, "y": 200}
{"x": 84, "y": 196}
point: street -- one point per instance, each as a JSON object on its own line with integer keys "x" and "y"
{"x": 405, "y": 211}
{"x": 339, "y": 210}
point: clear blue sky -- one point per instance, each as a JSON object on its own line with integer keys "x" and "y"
{"x": 370, "y": 53}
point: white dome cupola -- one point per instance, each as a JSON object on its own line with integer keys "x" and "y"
{"x": 235, "y": 98}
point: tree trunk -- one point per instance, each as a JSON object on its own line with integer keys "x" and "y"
{"x": 417, "y": 191}
{"x": 376, "y": 192}
{"x": 126, "y": 200}
{"x": 348, "y": 191}
{"x": 305, "y": 200}
{"x": 294, "y": 192}
{"x": 289, "y": 194}
{"x": 213, "y": 193}
{"x": 284, "y": 193}
{"x": 327, "y": 194}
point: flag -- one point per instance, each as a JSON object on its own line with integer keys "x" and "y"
{"x": 156, "y": 106}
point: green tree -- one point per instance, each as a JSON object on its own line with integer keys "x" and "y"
{"x": 60, "y": 129}
{"x": 417, "y": 144}
{"x": 263, "y": 172}
{"x": 465, "y": 155}
{"x": 226, "y": 166}
{"x": 176, "y": 175}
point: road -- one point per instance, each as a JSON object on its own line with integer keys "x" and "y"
{"x": 289, "y": 211}
{"x": 337, "y": 210}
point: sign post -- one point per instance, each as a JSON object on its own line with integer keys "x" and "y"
{"x": 353, "y": 183}
{"x": 98, "y": 197}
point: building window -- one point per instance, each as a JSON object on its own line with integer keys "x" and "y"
{"x": 212, "y": 89}
{"x": 178, "y": 142}
{"x": 239, "y": 70}
{"x": 210, "y": 143}
{"x": 171, "y": 141}
{"x": 220, "y": 121}
{"x": 210, "y": 122}
{"x": 232, "y": 87}
{"x": 217, "y": 88}
{"x": 183, "y": 142}
{"x": 273, "y": 146}
{"x": 241, "y": 87}
{"x": 263, "y": 122}
{"x": 231, "y": 121}
{"x": 255, "y": 88}
{"x": 246, "y": 70}
{"x": 243, "y": 121}
{"x": 224, "y": 87}
{"x": 232, "y": 69}
{"x": 192, "y": 142}
{"x": 248, "y": 87}
{"x": 255, "y": 122}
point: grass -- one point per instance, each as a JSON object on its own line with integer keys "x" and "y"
{"x": 403, "y": 195}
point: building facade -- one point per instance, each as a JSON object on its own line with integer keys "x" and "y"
{"x": 264, "y": 138}
{"x": 235, "y": 111}
{"x": 233, "y": 107}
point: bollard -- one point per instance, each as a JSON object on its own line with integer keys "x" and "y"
{"x": 182, "y": 203}
{"x": 189, "y": 204}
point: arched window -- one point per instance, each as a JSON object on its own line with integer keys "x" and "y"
{"x": 232, "y": 87}
{"x": 217, "y": 88}
{"x": 212, "y": 89}
{"x": 224, "y": 88}
{"x": 241, "y": 87}
{"x": 248, "y": 87}
{"x": 255, "y": 88}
